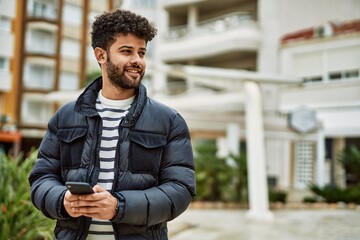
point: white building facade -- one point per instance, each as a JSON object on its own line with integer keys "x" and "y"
{"x": 206, "y": 50}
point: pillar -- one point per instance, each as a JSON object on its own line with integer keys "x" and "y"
{"x": 320, "y": 159}
{"x": 257, "y": 178}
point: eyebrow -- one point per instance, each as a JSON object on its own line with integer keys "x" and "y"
{"x": 129, "y": 47}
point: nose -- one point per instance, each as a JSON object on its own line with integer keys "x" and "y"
{"x": 135, "y": 59}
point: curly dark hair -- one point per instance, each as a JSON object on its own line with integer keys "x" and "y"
{"x": 109, "y": 24}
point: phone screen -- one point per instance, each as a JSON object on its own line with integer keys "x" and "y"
{"x": 79, "y": 187}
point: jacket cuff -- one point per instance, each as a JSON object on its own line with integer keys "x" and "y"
{"x": 61, "y": 209}
{"x": 120, "y": 209}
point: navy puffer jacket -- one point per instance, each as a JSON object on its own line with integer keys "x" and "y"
{"x": 154, "y": 178}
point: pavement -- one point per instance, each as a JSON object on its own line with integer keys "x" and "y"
{"x": 233, "y": 224}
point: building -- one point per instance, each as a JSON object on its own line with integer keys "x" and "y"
{"x": 303, "y": 57}
{"x": 47, "y": 50}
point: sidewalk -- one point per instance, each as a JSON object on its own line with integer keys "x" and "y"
{"x": 232, "y": 224}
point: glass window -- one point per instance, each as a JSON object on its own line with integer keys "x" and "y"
{"x": 5, "y": 24}
{"x": 35, "y": 110}
{"x": 69, "y": 81}
{"x": 304, "y": 163}
{"x": 43, "y": 8}
{"x": 143, "y": 3}
{"x": 4, "y": 63}
{"x": 70, "y": 48}
{"x": 72, "y": 14}
{"x": 38, "y": 77}
{"x": 40, "y": 41}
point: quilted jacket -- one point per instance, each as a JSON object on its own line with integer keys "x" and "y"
{"x": 154, "y": 177}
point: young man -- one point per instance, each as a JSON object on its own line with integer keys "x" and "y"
{"x": 135, "y": 151}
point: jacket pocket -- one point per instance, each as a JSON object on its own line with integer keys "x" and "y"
{"x": 71, "y": 146}
{"x": 145, "y": 152}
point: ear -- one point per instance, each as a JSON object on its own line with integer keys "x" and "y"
{"x": 100, "y": 55}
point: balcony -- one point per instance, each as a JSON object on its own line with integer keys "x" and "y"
{"x": 39, "y": 74}
{"x": 232, "y": 32}
{"x": 35, "y": 111}
{"x": 40, "y": 39}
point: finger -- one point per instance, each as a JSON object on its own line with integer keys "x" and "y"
{"x": 70, "y": 197}
{"x": 98, "y": 189}
{"x": 84, "y": 203}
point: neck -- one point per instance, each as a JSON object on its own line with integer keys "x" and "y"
{"x": 116, "y": 93}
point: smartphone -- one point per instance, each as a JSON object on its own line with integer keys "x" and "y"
{"x": 79, "y": 187}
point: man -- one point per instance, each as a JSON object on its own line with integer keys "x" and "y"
{"x": 135, "y": 151}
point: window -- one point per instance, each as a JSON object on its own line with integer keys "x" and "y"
{"x": 39, "y": 77}
{"x": 43, "y": 8}
{"x": 313, "y": 79}
{"x": 35, "y": 110}
{"x": 4, "y": 64}
{"x": 70, "y": 48}
{"x": 352, "y": 74}
{"x": 344, "y": 75}
{"x": 40, "y": 41}
{"x": 5, "y": 24}
{"x": 72, "y": 14}
{"x": 69, "y": 81}
{"x": 143, "y": 3}
{"x": 304, "y": 163}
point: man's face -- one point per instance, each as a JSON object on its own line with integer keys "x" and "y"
{"x": 125, "y": 63}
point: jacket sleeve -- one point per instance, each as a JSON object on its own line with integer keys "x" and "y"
{"x": 176, "y": 187}
{"x": 46, "y": 190}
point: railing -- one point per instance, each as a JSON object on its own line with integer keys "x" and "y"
{"x": 215, "y": 25}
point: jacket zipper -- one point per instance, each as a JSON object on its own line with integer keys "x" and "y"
{"x": 95, "y": 151}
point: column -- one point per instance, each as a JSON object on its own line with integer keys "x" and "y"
{"x": 233, "y": 138}
{"x": 320, "y": 159}
{"x": 159, "y": 78}
{"x": 257, "y": 179}
{"x": 192, "y": 17}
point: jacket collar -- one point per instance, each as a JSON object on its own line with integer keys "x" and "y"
{"x": 85, "y": 104}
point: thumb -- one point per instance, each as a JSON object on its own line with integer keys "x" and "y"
{"x": 98, "y": 189}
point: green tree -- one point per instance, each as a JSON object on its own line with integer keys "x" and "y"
{"x": 19, "y": 219}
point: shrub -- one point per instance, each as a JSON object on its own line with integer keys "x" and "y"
{"x": 277, "y": 196}
{"x": 212, "y": 173}
{"x": 334, "y": 194}
{"x": 19, "y": 219}
{"x": 350, "y": 160}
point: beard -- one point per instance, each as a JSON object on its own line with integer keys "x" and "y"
{"x": 119, "y": 78}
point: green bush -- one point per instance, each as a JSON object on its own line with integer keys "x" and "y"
{"x": 350, "y": 160}
{"x": 334, "y": 194}
{"x": 19, "y": 219}
{"x": 212, "y": 173}
{"x": 277, "y": 195}
{"x": 224, "y": 179}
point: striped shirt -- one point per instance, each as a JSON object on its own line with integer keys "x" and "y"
{"x": 111, "y": 113}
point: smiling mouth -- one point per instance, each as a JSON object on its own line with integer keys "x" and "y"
{"x": 134, "y": 71}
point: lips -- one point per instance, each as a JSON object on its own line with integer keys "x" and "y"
{"x": 133, "y": 71}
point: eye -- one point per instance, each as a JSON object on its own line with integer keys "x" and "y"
{"x": 142, "y": 54}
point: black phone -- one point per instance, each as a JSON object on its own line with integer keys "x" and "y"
{"x": 79, "y": 187}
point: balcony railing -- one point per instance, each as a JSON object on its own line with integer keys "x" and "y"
{"x": 215, "y": 25}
